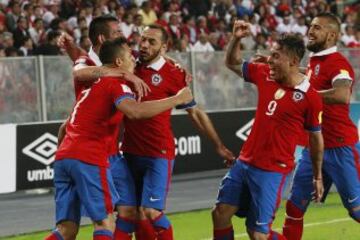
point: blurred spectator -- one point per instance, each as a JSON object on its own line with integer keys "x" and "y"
{"x": 260, "y": 42}
{"x": 37, "y": 32}
{"x": 12, "y": 52}
{"x": 77, "y": 30}
{"x": 299, "y": 26}
{"x": 26, "y": 46}
{"x": 189, "y": 29}
{"x": 196, "y": 7}
{"x": 348, "y": 38}
{"x": 203, "y": 45}
{"x": 138, "y": 23}
{"x": 2, "y": 53}
{"x": 174, "y": 27}
{"x": 135, "y": 41}
{"x": 202, "y": 25}
{"x": 52, "y": 13}
{"x": 148, "y": 14}
{"x": 13, "y": 15}
{"x": 127, "y": 25}
{"x": 284, "y": 26}
{"x": 214, "y": 41}
{"x": 89, "y": 10}
{"x": 21, "y": 31}
{"x": 50, "y": 47}
{"x": 7, "y": 39}
{"x": 85, "y": 43}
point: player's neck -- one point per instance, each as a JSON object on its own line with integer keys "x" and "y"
{"x": 153, "y": 60}
{"x": 295, "y": 78}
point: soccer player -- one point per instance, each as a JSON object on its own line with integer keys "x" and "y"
{"x": 82, "y": 176}
{"x": 286, "y": 105}
{"x": 332, "y": 76}
{"x": 163, "y": 78}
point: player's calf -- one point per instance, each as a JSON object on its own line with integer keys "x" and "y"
{"x": 221, "y": 216}
{"x": 103, "y": 230}
{"x": 65, "y": 230}
{"x": 125, "y": 222}
{"x": 293, "y": 226}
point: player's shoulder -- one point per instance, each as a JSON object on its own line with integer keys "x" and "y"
{"x": 337, "y": 59}
{"x": 173, "y": 69}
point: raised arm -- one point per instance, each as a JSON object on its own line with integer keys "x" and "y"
{"x": 316, "y": 152}
{"x": 203, "y": 123}
{"x": 233, "y": 57}
{"x": 67, "y": 43}
{"x": 148, "y": 109}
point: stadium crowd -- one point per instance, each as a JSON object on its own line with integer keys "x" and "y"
{"x": 31, "y": 27}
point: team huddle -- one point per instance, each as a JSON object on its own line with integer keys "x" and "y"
{"x": 118, "y": 97}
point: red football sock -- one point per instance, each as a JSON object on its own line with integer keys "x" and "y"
{"x": 145, "y": 230}
{"x": 224, "y": 234}
{"x": 102, "y": 234}
{"x": 293, "y": 226}
{"x": 164, "y": 234}
{"x": 120, "y": 235}
{"x": 276, "y": 236}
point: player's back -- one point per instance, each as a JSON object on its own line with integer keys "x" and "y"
{"x": 88, "y": 130}
{"x": 337, "y": 127}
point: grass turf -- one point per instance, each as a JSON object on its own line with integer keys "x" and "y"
{"x": 329, "y": 221}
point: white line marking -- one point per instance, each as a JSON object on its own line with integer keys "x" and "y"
{"x": 242, "y": 235}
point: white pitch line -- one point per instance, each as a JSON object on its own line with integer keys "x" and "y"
{"x": 241, "y": 235}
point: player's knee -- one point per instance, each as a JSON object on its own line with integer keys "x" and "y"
{"x": 220, "y": 213}
{"x": 355, "y": 213}
{"x": 128, "y": 212}
{"x": 151, "y": 213}
{"x": 257, "y": 235}
{"x": 68, "y": 230}
{"x": 293, "y": 211}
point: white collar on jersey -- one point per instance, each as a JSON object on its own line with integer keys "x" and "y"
{"x": 303, "y": 86}
{"x": 93, "y": 56}
{"x": 324, "y": 52}
{"x": 158, "y": 64}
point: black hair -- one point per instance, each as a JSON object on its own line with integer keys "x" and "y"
{"x": 164, "y": 33}
{"x": 332, "y": 18}
{"x": 99, "y": 25}
{"x": 111, "y": 49}
{"x": 293, "y": 43}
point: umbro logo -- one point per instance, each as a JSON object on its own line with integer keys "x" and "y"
{"x": 42, "y": 149}
{"x": 244, "y": 132}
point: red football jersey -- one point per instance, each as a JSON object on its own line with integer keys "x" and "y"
{"x": 282, "y": 115}
{"x": 93, "y": 60}
{"x": 154, "y": 137}
{"x": 88, "y": 129}
{"x": 324, "y": 68}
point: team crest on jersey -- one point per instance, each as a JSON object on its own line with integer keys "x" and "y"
{"x": 317, "y": 69}
{"x": 298, "y": 96}
{"x": 156, "y": 79}
{"x": 279, "y": 94}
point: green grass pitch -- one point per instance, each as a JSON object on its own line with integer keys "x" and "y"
{"x": 322, "y": 222}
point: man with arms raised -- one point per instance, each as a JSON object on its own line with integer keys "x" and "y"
{"x": 286, "y": 105}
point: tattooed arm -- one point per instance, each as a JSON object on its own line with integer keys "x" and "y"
{"x": 339, "y": 94}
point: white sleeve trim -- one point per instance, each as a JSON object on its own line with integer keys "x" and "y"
{"x": 341, "y": 76}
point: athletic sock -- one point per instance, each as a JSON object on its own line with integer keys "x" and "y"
{"x": 224, "y": 234}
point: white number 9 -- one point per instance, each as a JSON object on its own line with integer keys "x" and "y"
{"x": 271, "y": 108}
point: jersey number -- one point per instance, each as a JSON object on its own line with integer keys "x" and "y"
{"x": 271, "y": 108}
{"x": 85, "y": 94}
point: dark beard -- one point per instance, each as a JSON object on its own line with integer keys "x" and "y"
{"x": 150, "y": 58}
{"x": 316, "y": 47}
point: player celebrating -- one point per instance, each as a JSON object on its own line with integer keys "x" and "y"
{"x": 253, "y": 186}
{"x": 332, "y": 75}
{"x": 81, "y": 169}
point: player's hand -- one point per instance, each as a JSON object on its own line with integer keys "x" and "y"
{"x": 226, "y": 154}
{"x": 318, "y": 190}
{"x": 184, "y": 96}
{"x": 140, "y": 87}
{"x": 65, "y": 40}
{"x": 241, "y": 29}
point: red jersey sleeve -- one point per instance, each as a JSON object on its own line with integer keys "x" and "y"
{"x": 119, "y": 91}
{"x": 83, "y": 61}
{"x": 340, "y": 69}
{"x": 255, "y": 72}
{"x": 314, "y": 114}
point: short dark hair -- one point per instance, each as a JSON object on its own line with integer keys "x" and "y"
{"x": 293, "y": 43}
{"x": 99, "y": 25}
{"x": 111, "y": 49}
{"x": 332, "y": 18}
{"x": 52, "y": 35}
{"x": 164, "y": 33}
